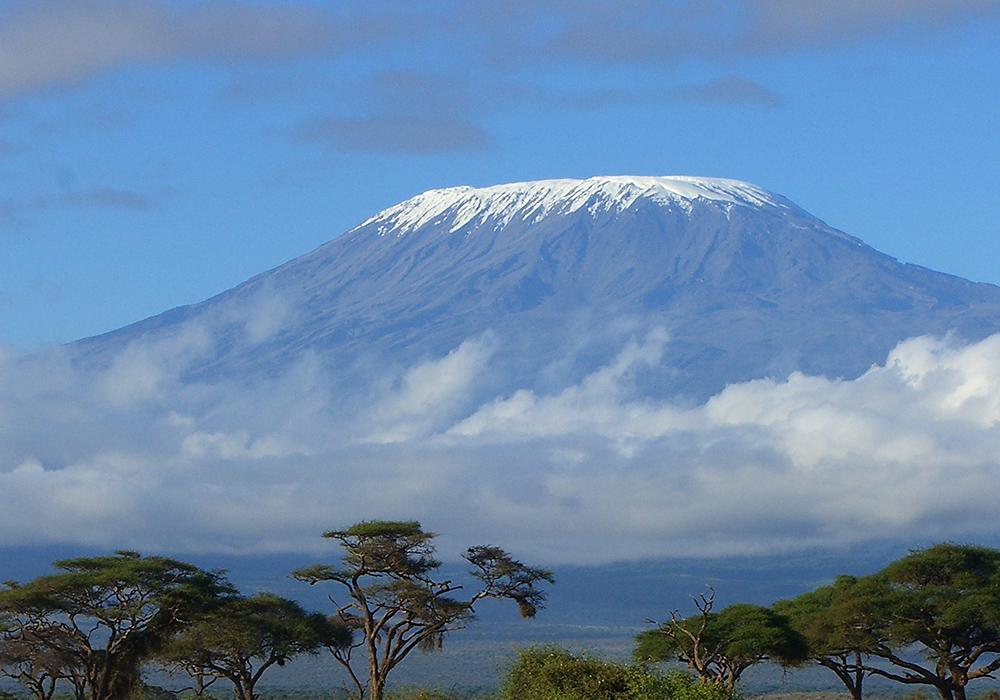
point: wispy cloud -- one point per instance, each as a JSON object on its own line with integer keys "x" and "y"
{"x": 15, "y": 213}
{"x": 109, "y": 197}
{"x": 780, "y": 24}
{"x": 591, "y": 472}
{"x": 60, "y": 42}
{"x": 729, "y": 89}
{"x": 665, "y": 31}
{"x": 404, "y": 111}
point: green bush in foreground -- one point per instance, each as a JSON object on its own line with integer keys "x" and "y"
{"x": 418, "y": 693}
{"x": 553, "y": 673}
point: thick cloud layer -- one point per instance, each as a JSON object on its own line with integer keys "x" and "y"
{"x": 592, "y": 472}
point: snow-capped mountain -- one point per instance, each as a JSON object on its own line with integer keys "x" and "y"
{"x": 582, "y": 371}
{"x": 744, "y": 283}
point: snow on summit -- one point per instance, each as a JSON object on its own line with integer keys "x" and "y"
{"x": 457, "y": 207}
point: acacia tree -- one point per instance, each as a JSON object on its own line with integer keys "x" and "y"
{"x": 99, "y": 618}
{"x": 396, "y": 603}
{"x": 38, "y": 655}
{"x": 944, "y": 603}
{"x": 840, "y": 628}
{"x": 721, "y": 646}
{"x": 244, "y": 637}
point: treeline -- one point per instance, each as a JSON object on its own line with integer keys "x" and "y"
{"x": 90, "y": 628}
{"x": 929, "y": 619}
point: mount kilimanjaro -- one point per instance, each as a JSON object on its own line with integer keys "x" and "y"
{"x": 559, "y": 273}
{"x": 619, "y": 368}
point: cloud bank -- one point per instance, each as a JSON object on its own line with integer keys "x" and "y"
{"x": 136, "y": 456}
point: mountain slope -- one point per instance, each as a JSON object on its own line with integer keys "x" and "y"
{"x": 560, "y": 273}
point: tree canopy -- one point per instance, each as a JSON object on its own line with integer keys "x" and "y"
{"x": 721, "y": 646}
{"x": 839, "y": 628}
{"x": 95, "y": 621}
{"x": 244, "y": 637}
{"x": 944, "y": 601}
{"x": 930, "y": 618}
{"x": 395, "y": 602}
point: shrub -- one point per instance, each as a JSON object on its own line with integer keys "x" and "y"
{"x": 683, "y": 685}
{"x": 553, "y": 673}
{"x": 416, "y": 693}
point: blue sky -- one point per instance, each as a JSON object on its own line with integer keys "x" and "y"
{"x": 156, "y": 152}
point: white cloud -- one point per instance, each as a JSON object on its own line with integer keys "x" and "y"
{"x": 593, "y": 472}
{"x": 429, "y": 393}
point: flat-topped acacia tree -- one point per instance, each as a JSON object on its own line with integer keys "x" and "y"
{"x": 943, "y": 603}
{"x": 931, "y": 618}
{"x": 396, "y": 603}
{"x": 244, "y": 637}
{"x": 840, "y": 627}
{"x": 720, "y": 646}
{"x": 98, "y": 619}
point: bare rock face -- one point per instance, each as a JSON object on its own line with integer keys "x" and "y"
{"x": 559, "y": 274}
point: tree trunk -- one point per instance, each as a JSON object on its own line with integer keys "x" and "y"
{"x": 948, "y": 693}
{"x": 376, "y": 682}
{"x": 852, "y": 676}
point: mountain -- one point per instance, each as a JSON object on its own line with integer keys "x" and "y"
{"x": 559, "y": 273}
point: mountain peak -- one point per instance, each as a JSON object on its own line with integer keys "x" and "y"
{"x": 559, "y": 272}
{"x": 499, "y": 205}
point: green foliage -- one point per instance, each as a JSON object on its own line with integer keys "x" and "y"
{"x": 506, "y": 577}
{"x": 721, "y": 646}
{"x": 244, "y": 637}
{"x": 398, "y": 549}
{"x": 755, "y": 633}
{"x": 553, "y": 673}
{"x": 678, "y": 685}
{"x": 834, "y": 619}
{"x": 840, "y": 626}
{"x": 152, "y": 692}
{"x": 394, "y": 602}
{"x": 932, "y": 618}
{"x": 98, "y": 619}
{"x": 417, "y": 693}
{"x": 946, "y": 592}
{"x": 944, "y": 602}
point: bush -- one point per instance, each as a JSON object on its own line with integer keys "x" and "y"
{"x": 417, "y": 693}
{"x": 682, "y": 685}
{"x": 553, "y": 673}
